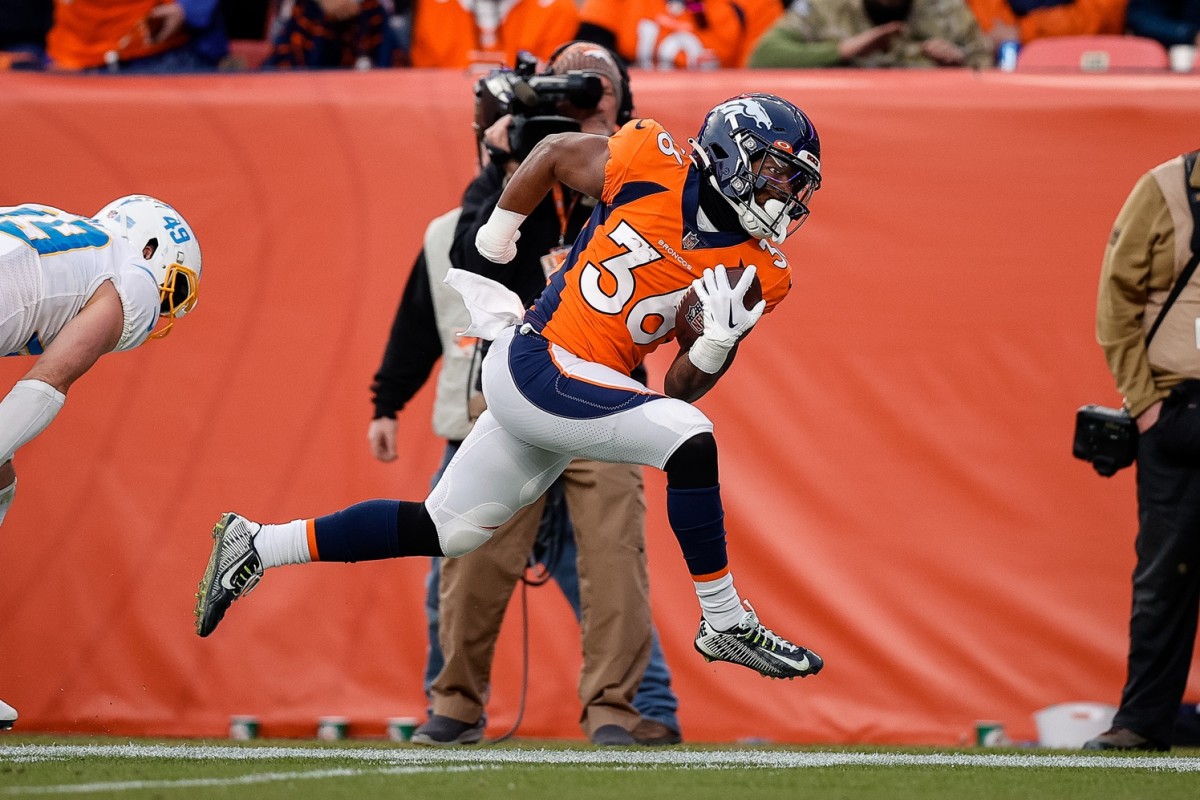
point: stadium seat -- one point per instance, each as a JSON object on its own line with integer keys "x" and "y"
{"x": 1092, "y": 54}
{"x": 10, "y": 59}
{"x": 248, "y": 54}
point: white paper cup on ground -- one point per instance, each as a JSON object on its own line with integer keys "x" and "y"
{"x": 400, "y": 729}
{"x": 243, "y": 727}
{"x": 332, "y": 729}
{"x": 1183, "y": 57}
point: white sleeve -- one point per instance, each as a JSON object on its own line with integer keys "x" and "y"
{"x": 25, "y": 412}
{"x": 140, "y": 303}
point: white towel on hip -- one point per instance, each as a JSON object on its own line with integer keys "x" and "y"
{"x": 492, "y": 305}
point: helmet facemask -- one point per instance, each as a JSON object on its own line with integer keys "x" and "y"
{"x": 177, "y": 296}
{"x": 771, "y": 187}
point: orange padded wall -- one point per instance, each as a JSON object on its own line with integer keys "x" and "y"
{"x": 895, "y": 439}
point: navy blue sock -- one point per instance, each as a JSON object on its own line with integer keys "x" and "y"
{"x": 376, "y": 529}
{"x": 698, "y": 520}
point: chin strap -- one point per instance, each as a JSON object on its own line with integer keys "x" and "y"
{"x": 752, "y": 216}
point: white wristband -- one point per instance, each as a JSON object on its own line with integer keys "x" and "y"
{"x": 708, "y": 356}
{"x": 497, "y": 238}
{"x": 25, "y": 412}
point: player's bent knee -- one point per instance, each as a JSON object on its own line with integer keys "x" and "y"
{"x": 461, "y": 532}
{"x": 459, "y": 538}
{"x": 693, "y": 465}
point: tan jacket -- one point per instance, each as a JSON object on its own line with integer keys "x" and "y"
{"x": 1149, "y": 247}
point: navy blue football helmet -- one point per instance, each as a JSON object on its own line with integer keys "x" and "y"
{"x": 764, "y": 156}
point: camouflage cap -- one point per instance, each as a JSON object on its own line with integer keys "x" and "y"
{"x": 590, "y": 57}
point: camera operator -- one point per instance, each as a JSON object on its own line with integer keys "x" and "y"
{"x": 605, "y": 501}
{"x": 1153, "y": 242}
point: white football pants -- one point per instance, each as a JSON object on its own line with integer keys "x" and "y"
{"x": 547, "y": 406}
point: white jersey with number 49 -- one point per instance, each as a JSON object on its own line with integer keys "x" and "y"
{"x": 51, "y": 263}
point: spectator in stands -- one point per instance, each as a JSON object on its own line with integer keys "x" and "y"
{"x": 23, "y": 28}
{"x": 137, "y": 36}
{"x": 1026, "y": 20}
{"x": 678, "y": 34}
{"x": 466, "y": 33}
{"x": 874, "y": 33}
{"x": 1171, "y": 22}
{"x": 248, "y": 19}
{"x": 332, "y": 33}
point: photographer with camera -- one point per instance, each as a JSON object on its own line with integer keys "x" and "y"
{"x": 1148, "y": 322}
{"x": 583, "y": 89}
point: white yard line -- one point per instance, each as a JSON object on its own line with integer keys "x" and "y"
{"x": 244, "y": 780}
{"x": 408, "y": 761}
{"x": 486, "y": 756}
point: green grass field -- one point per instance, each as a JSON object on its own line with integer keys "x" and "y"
{"x": 56, "y": 766}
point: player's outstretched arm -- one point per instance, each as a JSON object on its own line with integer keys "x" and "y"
{"x": 34, "y": 402}
{"x": 574, "y": 159}
{"x": 94, "y": 331}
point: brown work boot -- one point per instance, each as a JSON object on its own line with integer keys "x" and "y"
{"x": 1118, "y": 738}
{"x": 653, "y": 732}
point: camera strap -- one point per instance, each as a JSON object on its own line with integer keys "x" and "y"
{"x": 564, "y": 212}
{"x": 1193, "y": 196}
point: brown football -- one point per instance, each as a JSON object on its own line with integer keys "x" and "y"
{"x": 689, "y": 314}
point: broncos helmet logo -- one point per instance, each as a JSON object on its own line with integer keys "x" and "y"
{"x": 745, "y": 107}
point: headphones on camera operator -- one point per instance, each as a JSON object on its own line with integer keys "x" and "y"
{"x": 533, "y": 99}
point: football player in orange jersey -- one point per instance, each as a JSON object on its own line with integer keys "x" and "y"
{"x": 557, "y": 376}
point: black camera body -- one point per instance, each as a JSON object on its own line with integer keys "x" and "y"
{"x": 534, "y": 102}
{"x": 1105, "y": 437}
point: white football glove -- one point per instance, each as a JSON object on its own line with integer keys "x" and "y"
{"x": 497, "y": 239}
{"x": 726, "y": 318}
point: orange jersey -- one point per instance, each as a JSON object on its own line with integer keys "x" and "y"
{"x": 760, "y": 15}
{"x": 84, "y": 32}
{"x": 673, "y": 35}
{"x": 614, "y": 301}
{"x": 447, "y": 33}
{"x": 1079, "y": 18}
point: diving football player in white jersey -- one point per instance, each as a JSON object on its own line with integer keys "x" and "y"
{"x": 75, "y": 288}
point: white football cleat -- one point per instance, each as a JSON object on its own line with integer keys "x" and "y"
{"x": 234, "y": 569}
{"x": 753, "y": 645}
{"x": 8, "y": 715}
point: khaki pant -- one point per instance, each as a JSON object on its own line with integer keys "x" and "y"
{"x": 608, "y": 510}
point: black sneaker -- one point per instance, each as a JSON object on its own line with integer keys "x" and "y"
{"x": 755, "y": 646}
{"x": 440, "y": 731}
{"x": 234, "y": 569}
{"x": 612, "y": 736}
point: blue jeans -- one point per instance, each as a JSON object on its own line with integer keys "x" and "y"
{"x": 654, "y": 699}
{"x": 180, "y": 61}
